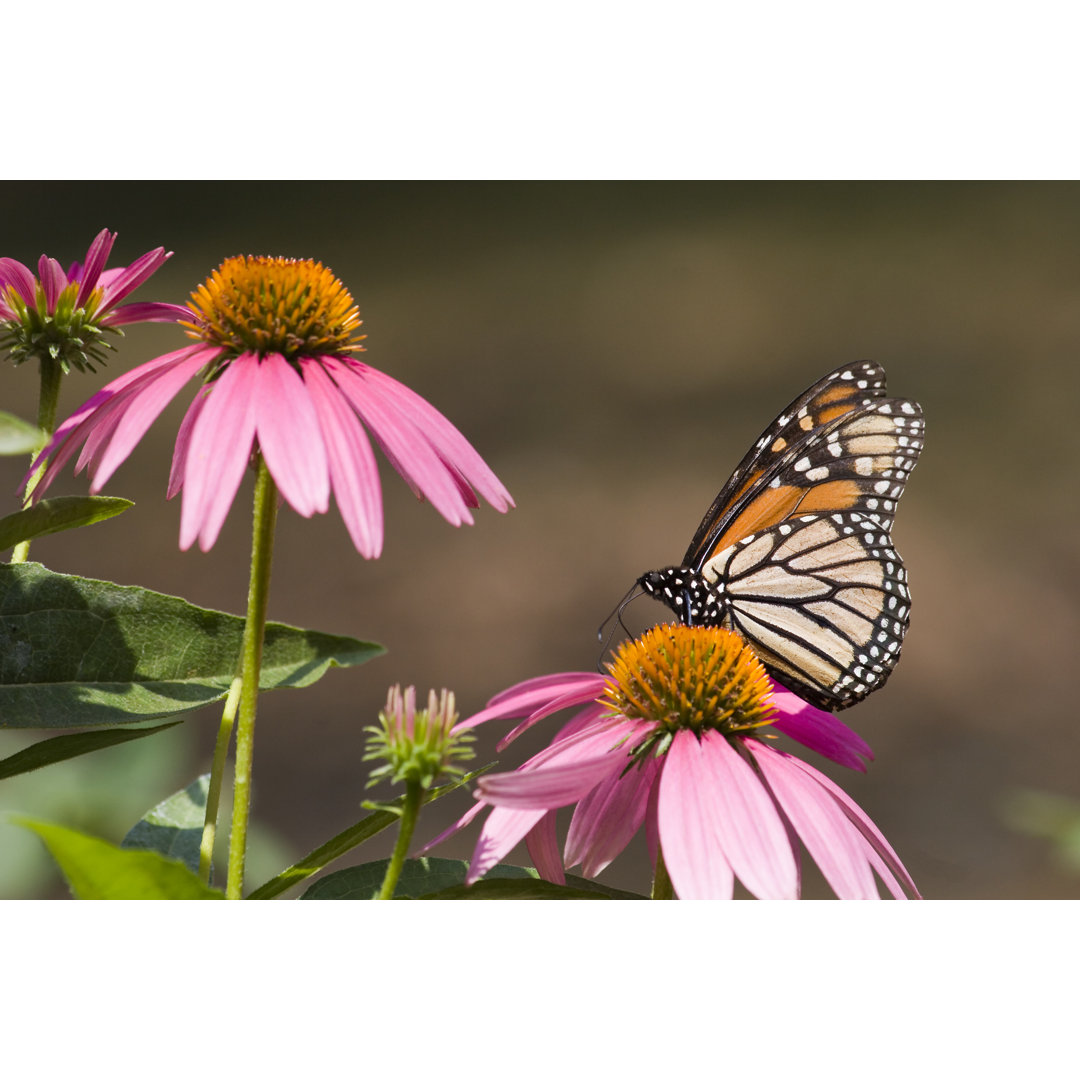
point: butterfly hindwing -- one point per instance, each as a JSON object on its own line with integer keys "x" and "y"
{"x": 823, "y": 600}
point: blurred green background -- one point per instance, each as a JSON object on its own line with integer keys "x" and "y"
{"x": 612, "y": 349}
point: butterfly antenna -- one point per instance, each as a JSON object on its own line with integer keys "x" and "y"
{"x": 616, "y": 614}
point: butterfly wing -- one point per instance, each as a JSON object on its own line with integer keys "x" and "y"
{"x": 823, "y": 600}
{"x": 841, "y": 445}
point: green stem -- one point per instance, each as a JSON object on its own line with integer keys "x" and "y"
{"x": 217, "y": 772}
{"x": 262, "y": 550}
{"x": 52, "y": 375}
{"x": 409, "y": 814}
{"x": 661, "y": 887}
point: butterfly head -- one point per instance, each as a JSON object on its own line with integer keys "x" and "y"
{"x": 686, "y": 592}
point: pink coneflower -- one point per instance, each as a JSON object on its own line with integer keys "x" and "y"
{"x": 63, "y": 317}
{"x": 675, "y": 738}
{"x": 275, "y": 349}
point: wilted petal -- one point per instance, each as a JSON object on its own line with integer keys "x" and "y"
{"x": 221, "y": 441}
{"x": 687, "y": 813}
{"x": 289, "y": 436}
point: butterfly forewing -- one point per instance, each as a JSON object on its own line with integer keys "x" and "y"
{"x": 830, "y": 397}
{"x": 855, "y": 456}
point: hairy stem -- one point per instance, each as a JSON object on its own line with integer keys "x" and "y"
{"x": 262, "y": 550}
{"x": 48, "y": 396}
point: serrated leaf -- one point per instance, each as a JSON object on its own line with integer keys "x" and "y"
{"x": 65, "y": 747}
{"x": 19, "y": 437}
{"x": 418, "y": 878}
{"x": 174, "y": 827}
{"x": 98, "y": 870}
{"x": 76, "y": 652}
{"x": 350, "y": 838}
{"x": 56, "y": 515}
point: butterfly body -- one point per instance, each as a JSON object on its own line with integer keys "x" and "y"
{"x": 795, "y": 552}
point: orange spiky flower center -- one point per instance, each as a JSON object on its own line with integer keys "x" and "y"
{"x": 694, "y": 678}
{"x": 263, "y": 304}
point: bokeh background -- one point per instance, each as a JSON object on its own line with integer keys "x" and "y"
{"x": 612, "y": 349}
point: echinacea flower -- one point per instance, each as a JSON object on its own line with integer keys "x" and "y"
{"x": 676, "y": 737}
{"x": 63, "y": 317}
{"x": 275, "y": 349}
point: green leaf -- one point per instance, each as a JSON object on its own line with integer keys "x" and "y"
{"x": 174, "y": 827}
{"x": 55, "y": 515}
{"x": 418, "y": 878}
{"x": 350, "y": 838}
{"x": 75, "y": 652}
{"x": 444, "y": 879}
{"x": 493, "y": 887}
{"x": 98, "y": 870}
{"x": 19, "y": 437}
{"x": 64, "y": 747}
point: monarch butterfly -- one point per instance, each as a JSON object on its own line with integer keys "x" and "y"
{"x": 795, "y": 552}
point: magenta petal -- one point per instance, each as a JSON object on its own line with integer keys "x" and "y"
{"x": 146, "y": 312}
{"x": 833, "y": 842}
{"x": 142, "y": 409}
{"x": 289, "y": 436}
{"x": 819, "y": 730}
{"x": 83, "y": 422}
{"x": 131, "y": 277}
{"x": 458, "y": 825}
{"x": 183, "y": 441}
{"x": 879, "y": 850}
{"x": 454, "y": 448}
{"x": 20, "y": 278}
{"x": 504, "y": 828}
{"x": 595, "y": 711}
{"x": 550, "y": 787}
{"x": 608, "y": 816}
{"x": 543, "y": 848}
{"x": 751, "y": 833}
{"x": 90, "y": 271}
{"x": 218, "y": 453}
{"x": 687, "y": 817}
{"x": 53, "y": 281}
{"x": 526, "y": 697}
{"x": 404, "y": 444}
{"x": 354, "y": 473}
